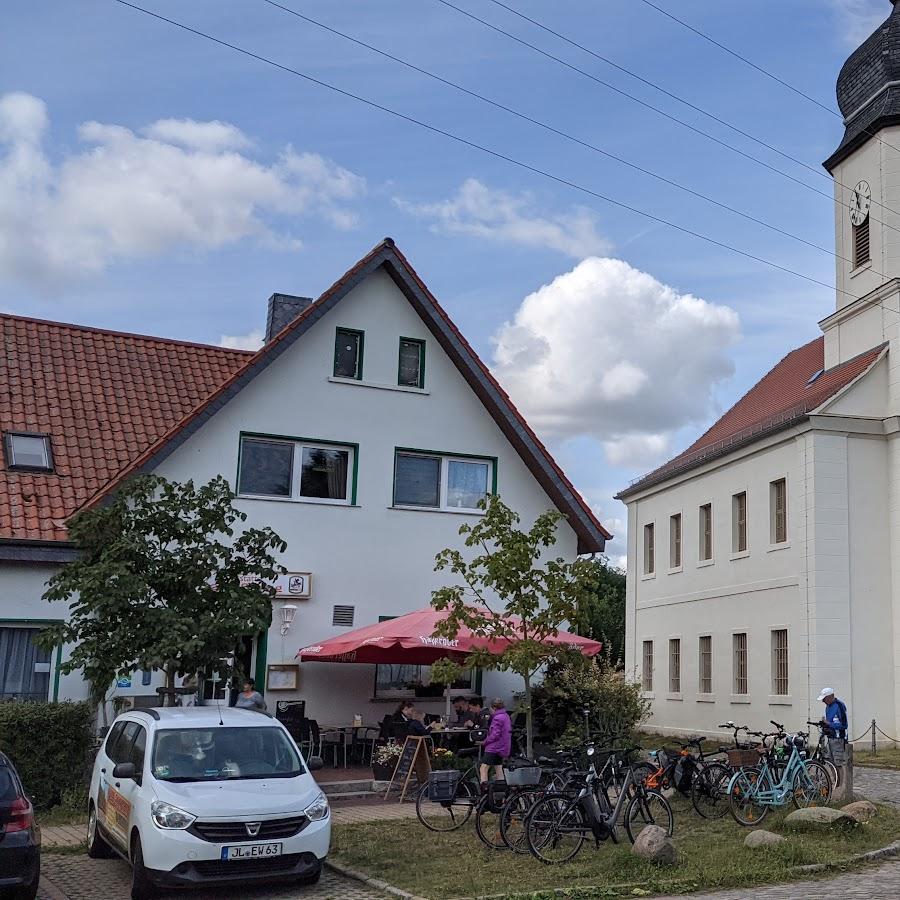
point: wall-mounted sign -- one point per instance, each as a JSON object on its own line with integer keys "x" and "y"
{"x": 294, "y": 584}
{"x": 123, "y": 682}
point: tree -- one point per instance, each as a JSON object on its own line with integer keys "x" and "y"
{"x": 509, "y": 577}
{"x": 602, "y": 616}
{"x": 161, "y": 582}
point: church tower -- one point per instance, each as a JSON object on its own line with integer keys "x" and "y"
{"x": 866, "y": 172}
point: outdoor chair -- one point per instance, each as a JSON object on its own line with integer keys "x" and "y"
{"x": 364, "y": 741}
{"x": 331, "y": 741}
{"x": 310, "y": 740}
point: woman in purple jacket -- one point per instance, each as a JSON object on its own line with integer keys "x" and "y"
{"x": 498, "y": 743}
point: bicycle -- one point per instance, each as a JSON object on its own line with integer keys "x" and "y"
{"x": 521, "y": 777}
{"x": 448, "y": 799}
{"x": 754, "y": 790}
{"x": 558, "y": 825}
{"x": 709, "y": 787}
{"x": 822, "y": 753}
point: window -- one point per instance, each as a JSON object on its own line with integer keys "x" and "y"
{"x": 440, "y": 482}
{"x": 411, "y": 369}
{"x": 778, "y": 510}
{"x": 739, "y": 522}
{"x": 348, "y": 353}
{"x": 739, "y": 642}
{"x": 24, "y": 668}
{"x": 706, "y": 544}
{"x": 861, "y": 244}
{"x": 415, "y": 681}
{"x": 30, "y": 452}
{"x": 295, "y": 470}
{"x": 780, "y": 661}
{"x": 675, "y": 666}
{"x": 675, "y": 541}
{"x": 343, "y": 616}
{"x": 649, "y": 550}
{"x": 705, "y": 665}
{"x": 647, "y": 671}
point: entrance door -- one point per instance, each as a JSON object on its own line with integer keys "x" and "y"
{"x": 243, "y": 663}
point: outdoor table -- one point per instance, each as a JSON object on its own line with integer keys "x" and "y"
{"x": 347, "y": 734}
{"x": 455, "y": 736}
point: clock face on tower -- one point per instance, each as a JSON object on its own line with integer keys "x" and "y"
{"x": 860, "y": 201}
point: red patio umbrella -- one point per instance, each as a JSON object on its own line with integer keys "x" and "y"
{"x": 411, "y": 639}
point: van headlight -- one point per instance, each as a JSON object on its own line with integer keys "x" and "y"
{"x": 165, "y": 815}
{"x": 317, "y": 810}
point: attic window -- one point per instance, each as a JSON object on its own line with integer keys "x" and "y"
{"x": 28, "y": 452}
{"x": 814, "y": 377}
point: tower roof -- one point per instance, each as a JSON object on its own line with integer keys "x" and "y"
{"x": 868, "y": 87}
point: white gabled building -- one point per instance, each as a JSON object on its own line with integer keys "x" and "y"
{"x": 764, "y": 561}
{"x": 363, "y": 432}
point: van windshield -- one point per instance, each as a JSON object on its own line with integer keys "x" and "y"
{"x": 224, "y": 754}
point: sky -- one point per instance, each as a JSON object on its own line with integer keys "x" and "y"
{"x": 153, "y": 181}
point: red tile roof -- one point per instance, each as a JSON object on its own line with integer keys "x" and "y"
{"x": 103, "y": 397}
{"x": 781, "y": 398}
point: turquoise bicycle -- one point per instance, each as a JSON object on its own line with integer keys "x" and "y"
{"x": 754, "y": 790}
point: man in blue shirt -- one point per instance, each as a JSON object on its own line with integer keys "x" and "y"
{"x": 835, "y": 720}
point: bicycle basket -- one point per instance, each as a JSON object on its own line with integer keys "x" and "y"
{"x": 739, "y": 758}
{"x": 442, "y": 784}
{"x": 523, "y": 775}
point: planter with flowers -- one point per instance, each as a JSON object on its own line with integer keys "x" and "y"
{"x": 385, "y": 761}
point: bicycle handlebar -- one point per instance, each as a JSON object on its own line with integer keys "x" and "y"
{"x": 779, "y": 726}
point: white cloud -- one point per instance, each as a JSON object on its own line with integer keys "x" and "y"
{"x": 253, "y": 340}
{"x": 858, "y": 19}
{"x": 481, "y": 211}
{"x": 609, "y": 352}
{"x": 177, "y": 184}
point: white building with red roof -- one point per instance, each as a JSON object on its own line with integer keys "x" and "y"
{"x": 364, "y": 431}
{"x": 764, "y": 560}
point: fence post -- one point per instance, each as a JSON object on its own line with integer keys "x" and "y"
{"x": 874, "y": 745}
{"x": 844, "y": 793}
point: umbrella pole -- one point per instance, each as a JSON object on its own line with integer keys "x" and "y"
{"x": 447, "y": 703}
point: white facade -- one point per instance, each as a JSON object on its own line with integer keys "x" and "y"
{"x": 365, "y": 553}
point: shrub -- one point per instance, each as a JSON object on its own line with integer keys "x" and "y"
{"x": 50, "y": 745}
{"x": 614, "y": 704}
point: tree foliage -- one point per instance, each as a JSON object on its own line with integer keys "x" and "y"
{"x": 162, "y": 582}
{"x": 602, "y": 616}
{"x": 510, "y": 574}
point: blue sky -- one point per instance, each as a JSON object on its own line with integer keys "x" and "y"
{"x": 122, "y": 206}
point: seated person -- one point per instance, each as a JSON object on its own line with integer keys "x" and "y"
{"x": 404, "y": 711}
{"x": 461, "y": 706}
{"x": 478, "y": 717}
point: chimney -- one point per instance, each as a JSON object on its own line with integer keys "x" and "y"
{"x": 284, "y": 308}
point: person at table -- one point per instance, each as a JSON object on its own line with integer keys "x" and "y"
{"x": 250, "y": 697}
{"x": 498, "y": 743}
{"x": 478, "y": 716}
{"x": 461, "y": 705}
{"x": 404, "y": 711}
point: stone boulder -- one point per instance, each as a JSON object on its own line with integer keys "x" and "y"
{"x": 762, "y": 838}
{"x": 820, "y": 818}
{"x": 655, "y": 845}
{"x": 861, "y": 810}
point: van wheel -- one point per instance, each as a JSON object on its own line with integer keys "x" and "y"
{"x": 142, "y": 888}
{"x": 97, "y": 848}
{"x": 312, "y": 878}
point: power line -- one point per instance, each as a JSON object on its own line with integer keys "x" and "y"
{"x": 541, "y": 124}
{"x": 480, "y": 147}
{"x": 661, "y": 112}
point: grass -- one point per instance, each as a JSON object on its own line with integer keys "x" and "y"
{"x": 712, "y": 855}
{"x": 885, "y": 758}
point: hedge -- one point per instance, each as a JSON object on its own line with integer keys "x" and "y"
{"x": 50, "y": 745}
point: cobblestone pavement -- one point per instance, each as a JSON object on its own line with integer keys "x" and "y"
{"x": 877, "y": 784}
{"x": 75, "y": 877}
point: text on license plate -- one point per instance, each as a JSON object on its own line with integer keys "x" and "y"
{"x": 251, "y": 851}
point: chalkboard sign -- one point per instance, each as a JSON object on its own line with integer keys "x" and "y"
{"x": 414, "y": 758}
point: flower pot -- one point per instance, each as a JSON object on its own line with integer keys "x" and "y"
{"x": 383, "y": 773}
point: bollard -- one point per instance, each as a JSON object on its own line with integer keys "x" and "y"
{"x": 874, "y": 745}
{"x": 844, "y": 794}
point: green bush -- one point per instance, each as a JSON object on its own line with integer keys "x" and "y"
{"x": 50, "y": 745}
{"x": 570, "y": 686}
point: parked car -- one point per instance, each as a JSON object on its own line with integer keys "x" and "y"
{"x": 196, "y": 796}
{"x": 20, "y": 837}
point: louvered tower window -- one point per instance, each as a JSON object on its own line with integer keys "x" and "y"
{"x": 861, "y": 254}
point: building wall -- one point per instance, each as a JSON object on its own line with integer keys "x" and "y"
{"x": 371, "y": 556}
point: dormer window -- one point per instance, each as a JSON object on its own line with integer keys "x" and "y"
{"x": 28, "y": 452}
{"x": 348, "y": 353}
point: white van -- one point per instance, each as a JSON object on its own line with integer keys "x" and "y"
{"x": 203, "y": 796}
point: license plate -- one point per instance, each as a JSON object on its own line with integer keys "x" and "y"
{"x": 251, "y": 851}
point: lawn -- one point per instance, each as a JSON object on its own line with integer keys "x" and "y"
{"x": 885, "y": 758}
{"x": 456, "y": 864}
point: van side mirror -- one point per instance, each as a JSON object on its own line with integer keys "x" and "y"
{"x": 124, "y": 770}
{"x": 315, "y": 763}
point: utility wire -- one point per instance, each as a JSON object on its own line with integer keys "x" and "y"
{"x": 570, "y": 137}
{"x": 661, "y": 112}
{"x": 480, "y": 147}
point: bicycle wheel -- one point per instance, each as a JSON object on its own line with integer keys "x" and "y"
{"x": 709, "y": 792}
{"x": 648, "y": 808}
{"x": 834, "y": 772}
{"x": 641, "y": 771}
{"x": 513, "y": 816}
{"x": 487, "y": 821}
{"x": 556, "y": 829}
{"x": 812, "y": 786}
{"x": 446, "y": 815}
{"x": 743, "y": 797}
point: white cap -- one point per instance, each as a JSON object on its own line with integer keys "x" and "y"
{"x": 825, "y": 692}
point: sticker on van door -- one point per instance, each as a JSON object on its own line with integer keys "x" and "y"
{"x": 114, "y": 810}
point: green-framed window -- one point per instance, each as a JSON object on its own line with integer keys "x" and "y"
{"x": 348, "y": 353}
{"x": 289, "y": 468}
{"x": 411, "y": 365}
{"x": 430, "y": 480}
